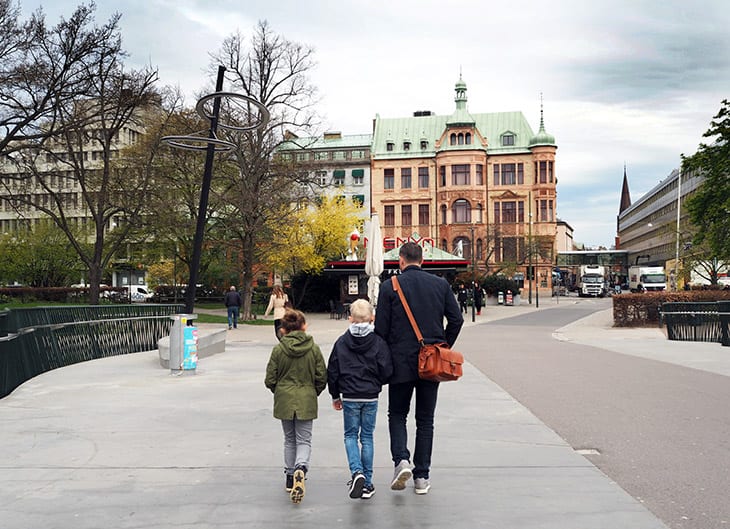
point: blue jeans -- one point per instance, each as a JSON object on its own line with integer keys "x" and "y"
{"x": 399, "y": 402}
{"x": 233, "y": 316}
{"x": 359, "y": 418}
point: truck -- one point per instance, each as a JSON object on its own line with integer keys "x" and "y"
{"x": 647, "y": 278}
{"x": 592, "y": 281}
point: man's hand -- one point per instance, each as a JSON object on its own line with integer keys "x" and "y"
{"x": 337, "y": 404}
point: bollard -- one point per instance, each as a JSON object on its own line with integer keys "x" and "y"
{"x": 183, "y": 345}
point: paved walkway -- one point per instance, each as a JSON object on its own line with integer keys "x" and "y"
{"x": 119, "y": 443}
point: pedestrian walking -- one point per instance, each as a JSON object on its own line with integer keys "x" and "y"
{"x": 278, "y": 302}
{"x": 296, "y": 374}
{"x": 462, "y": 296}
{"x": 478, "y": 298}
{"x": 232, "y": 301}
{"x": 359, "y": 365}
{"x": 431, "y": 300}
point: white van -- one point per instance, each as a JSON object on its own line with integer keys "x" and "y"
{"x": 140, "y": 293}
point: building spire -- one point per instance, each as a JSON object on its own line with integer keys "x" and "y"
{"x": 625, "y": 196}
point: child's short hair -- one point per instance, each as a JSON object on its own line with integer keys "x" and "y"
{"x": 293, "y": 320}
{"x": 361, "y": 311}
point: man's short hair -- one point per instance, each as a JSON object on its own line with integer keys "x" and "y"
{"x": 411, "y": 253}
{"x": 361, "y": 311}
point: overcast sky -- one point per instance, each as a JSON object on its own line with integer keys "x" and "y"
{"x": 624, "y": 82}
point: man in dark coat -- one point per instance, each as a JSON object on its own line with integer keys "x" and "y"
{"x": 233, "y": 302}
{"x": 430, "y": 299}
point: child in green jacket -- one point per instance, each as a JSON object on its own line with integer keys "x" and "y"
{"x": 296, "y": 375}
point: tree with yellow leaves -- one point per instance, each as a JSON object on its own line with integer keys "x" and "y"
{"x": 307, "y": 235}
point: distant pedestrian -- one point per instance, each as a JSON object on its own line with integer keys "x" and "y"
{"x": 278, "y": 301}
{"x": 233, "y": 302}
{"x": 359, "y": 365}
{"x": 462, "y": 296}
{"x": 478, "y": 298}
{"x": 296, "y": 375}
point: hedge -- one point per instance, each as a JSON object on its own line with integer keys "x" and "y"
{"x": 641, "y": 310}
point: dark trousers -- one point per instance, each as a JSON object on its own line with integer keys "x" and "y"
{"x": 399, "y": 402}
{"x": 277, "y": 329}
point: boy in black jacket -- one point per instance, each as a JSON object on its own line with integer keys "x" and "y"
{"x": 358, "y": 367}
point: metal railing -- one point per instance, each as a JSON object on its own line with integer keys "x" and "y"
{"x": 697, "y": 322}
{"x": 36, "y": 340}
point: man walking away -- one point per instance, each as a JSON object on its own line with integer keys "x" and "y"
{"x": 431, "y": 300}
{"x": 233, "y": 303}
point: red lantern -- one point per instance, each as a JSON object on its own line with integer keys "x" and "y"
{"x": 354, "y": 237}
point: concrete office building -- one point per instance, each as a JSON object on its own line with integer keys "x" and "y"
{"x": 648, "y": 229}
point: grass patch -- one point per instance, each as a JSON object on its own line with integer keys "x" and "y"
{"x": 213, "y": 318}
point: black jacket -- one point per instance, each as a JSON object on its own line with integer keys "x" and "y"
{"x": 431, "y": 299}
{"x": 358, "y": 366}
{"x": 232, "y": 299}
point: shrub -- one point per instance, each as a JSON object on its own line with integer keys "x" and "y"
{"x": 498, "y": 283}
{"x": 640, "y": 310}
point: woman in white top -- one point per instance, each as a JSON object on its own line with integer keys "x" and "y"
{"x": 277, "y": 302}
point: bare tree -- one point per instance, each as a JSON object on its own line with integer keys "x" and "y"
{"x": 273, "y": 71}
{"x": 73, "y": 169}
{"x": 44, "y": 69}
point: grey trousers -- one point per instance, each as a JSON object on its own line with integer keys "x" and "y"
{"x": 297, "y": 443}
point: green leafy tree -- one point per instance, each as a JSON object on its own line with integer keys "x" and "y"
{"x": 39, "y": 257}
{"x": 709, "y": 207}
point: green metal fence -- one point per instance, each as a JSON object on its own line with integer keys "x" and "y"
{"x": 36, "y": 340}
{"x": 694, "y": 322}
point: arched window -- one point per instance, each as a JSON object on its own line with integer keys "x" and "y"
{"x": 461, "y": 138}
{"x": 443, "y": 245}
{"x": 461, "y": 211}
{"x": 480, "y": 250}
{"x": 468, "y": 138}
{"x": 443, "y": 214}
{"x": 452, "y": 139}
{"x": 478, "y": 213}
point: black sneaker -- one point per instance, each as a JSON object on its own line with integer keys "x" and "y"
{"x": 297, "y": 491}
{"x": 368, "y": 491}
{"x": 356, "y": 485}
{"x": 289, "y": 482}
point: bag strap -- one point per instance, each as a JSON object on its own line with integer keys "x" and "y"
{"x": 396, "y": 287}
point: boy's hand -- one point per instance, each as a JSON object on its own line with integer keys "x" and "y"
{"x": 337, "y": 404}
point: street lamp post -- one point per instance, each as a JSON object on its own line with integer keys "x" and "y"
{"x": 679, "y": 208}
{"x": 473, "y": 277}
{"x": 531, "y": 270}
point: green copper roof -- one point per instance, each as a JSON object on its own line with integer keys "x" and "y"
{"x": 430, "y": 128}
{"x": 341, "y": 142}
{"x": 542, "y": 137}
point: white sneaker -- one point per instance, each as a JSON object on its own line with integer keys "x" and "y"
{"x": 401, "y": 475}
{"x": 423, "y": 485}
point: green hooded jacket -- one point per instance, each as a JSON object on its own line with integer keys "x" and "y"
{"x": 296, "y": 374}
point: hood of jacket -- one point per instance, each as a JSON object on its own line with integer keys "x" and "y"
{"x": 296, "y": 343}
{"x": 359, "y": 344}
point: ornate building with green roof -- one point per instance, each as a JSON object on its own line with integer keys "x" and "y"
{"x": 471, "y": 183}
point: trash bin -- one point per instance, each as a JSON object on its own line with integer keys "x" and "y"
{"x": 183, "y": 345}
{"x": 508, "y": 299}
{"x": 500, "y": 298}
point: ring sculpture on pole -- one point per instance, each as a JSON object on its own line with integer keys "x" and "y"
{"x": 212, "y": 144}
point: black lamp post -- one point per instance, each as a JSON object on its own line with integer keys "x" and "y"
{"x": 473, "y": 278}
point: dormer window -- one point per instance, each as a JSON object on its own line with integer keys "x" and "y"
{"x": 389, "y": 146}
{"x": 424, "y": 145}
{"x": 508, "y": 139}
{"x": 406, "y": 145}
